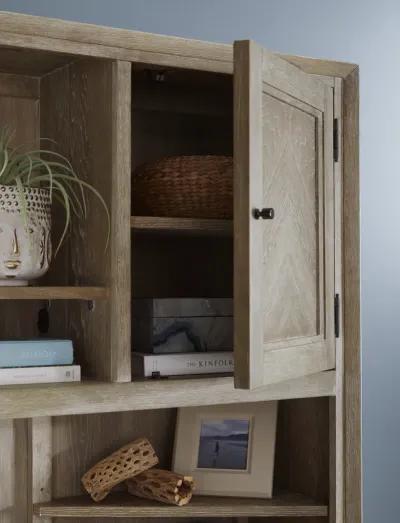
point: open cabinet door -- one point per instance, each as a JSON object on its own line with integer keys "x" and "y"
{"x": 283, "y": 220}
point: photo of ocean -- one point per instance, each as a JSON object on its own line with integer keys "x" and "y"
{"x": 224, "y": 444}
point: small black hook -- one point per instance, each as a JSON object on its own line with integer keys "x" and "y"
{"x": 43, "y": 321}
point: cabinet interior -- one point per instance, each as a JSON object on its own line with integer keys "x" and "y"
{"x": 301, "y": 458}
{"x": 180, "y": 112}
{"x": 174, "y": 112}
{"x": 65, "y": 100}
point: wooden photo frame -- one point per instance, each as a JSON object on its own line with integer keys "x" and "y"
{"x": 228, "y": 449}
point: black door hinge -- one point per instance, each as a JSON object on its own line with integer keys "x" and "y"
{"x": 337, "y": 315}
{"x": 335, "y": 140}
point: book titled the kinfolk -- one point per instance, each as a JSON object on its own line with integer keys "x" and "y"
{"x": 38, "y": 352}
{"x": 160, "y": 365}
{"x": 25, "y": 375}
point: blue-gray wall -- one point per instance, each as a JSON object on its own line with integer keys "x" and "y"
{"x": 362, "y": 31}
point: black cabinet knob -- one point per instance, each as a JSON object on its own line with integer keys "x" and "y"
{"x": 266, "y": 213}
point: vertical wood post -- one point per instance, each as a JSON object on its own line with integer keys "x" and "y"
{"x": 120, "y": 281}
{"x": 39, "y": 464}
{"x": 351, "y": 301}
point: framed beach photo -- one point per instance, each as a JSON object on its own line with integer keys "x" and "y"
{"x": 228, "y": 449}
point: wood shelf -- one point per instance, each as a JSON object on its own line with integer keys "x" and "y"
{"x": 27, "y": 401}
{"x": 54, "y": 293}
{"x": 124, "y": 505}
{"x": 191, "y": 226}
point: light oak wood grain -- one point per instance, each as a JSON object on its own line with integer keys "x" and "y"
{"x": 81, "y": 441}
{"x": 19, "y": 110}
{"x": 95, "y": 34}
{"x": 21, "y": 478}
{"x": 31, "y": 62}
{"x": 54, "y": 293}
{"x": 85, "y": 39}
{"x": 351, "y": 297}
{"x": 87, "y": 397}
{"x": 8, "y": 506}
{"x": 337, "y": 465}
{"x": 119, "y": 505}
{"x": 20, "y": 114}
{"x": 321, "y": 67}
{"x": 119, "y": 355}
{"x": 18, "y": 86}
{"x": 284, "y": 268}
{"x": 39, "y": 464}
{"x": 302, "y": 448}
{"x": 39, "y": 46}
{"x": 76, "y": 101}
{"x": 81, "y": 49}
{"x": 302, "y": 454}
{"x": 247, "y": 186}
{"x": 195, "y": 226}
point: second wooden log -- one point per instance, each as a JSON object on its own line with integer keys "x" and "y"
{"x": 162, "y": 485}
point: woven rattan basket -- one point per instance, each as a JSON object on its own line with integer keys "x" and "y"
{"x": 185, "y": 187}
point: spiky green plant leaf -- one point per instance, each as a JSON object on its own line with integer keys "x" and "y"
{"x": 48, "y": 170}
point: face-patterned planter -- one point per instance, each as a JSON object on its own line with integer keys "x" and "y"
{"x": 25, "y": 242}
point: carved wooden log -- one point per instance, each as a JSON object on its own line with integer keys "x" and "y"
{"x": 128, "y": 461}
{"x": 162, "y": 485}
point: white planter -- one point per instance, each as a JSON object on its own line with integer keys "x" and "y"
{"x": 25, "y": 242}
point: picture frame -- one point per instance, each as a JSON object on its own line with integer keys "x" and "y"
{"x": 228, "y": 449}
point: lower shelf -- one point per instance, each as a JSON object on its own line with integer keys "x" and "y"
{"x": 120, "y": 504}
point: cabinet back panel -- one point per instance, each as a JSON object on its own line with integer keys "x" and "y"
{"x": 66, "y": 319}
{"x": 302, "y": 453}
{"x": 170, "y": 266}
{"x": 13, "y": 471}
{"x": 30, "y": 61}
{"x": 302, "y": 450}
{"x": 157, "y": 134}
{"x": 76, "y": 112}
{"x": 81, "y": 441}
{"x": 190, "y": 112}
{"x": 19, "y": 111}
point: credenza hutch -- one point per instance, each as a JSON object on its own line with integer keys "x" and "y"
{"x": 113, "y": 99}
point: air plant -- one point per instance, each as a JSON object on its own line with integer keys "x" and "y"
{"x": 46, "y": 169}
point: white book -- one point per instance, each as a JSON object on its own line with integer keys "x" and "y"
{"x": 25, "y": 375}
{"x": 159, "y": 365}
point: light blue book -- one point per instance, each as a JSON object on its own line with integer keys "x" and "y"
{"x": 35, "y": 353}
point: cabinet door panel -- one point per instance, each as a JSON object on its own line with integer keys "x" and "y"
{"x": 284, "y": 267}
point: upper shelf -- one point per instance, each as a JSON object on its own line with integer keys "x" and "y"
{"x": 54, "y": 293}
{"x": 124, "y": 505}
{"x": 193, "y": 226}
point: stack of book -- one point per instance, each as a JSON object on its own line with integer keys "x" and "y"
{"x": 180, "y": 336}
{"x": 37, "y": 361}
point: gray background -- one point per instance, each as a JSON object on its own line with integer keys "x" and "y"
{"x": 361, "y": 31}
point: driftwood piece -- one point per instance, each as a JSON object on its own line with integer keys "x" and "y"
{"x": 128, "y": 461}
{"x": 162, "y": 485}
